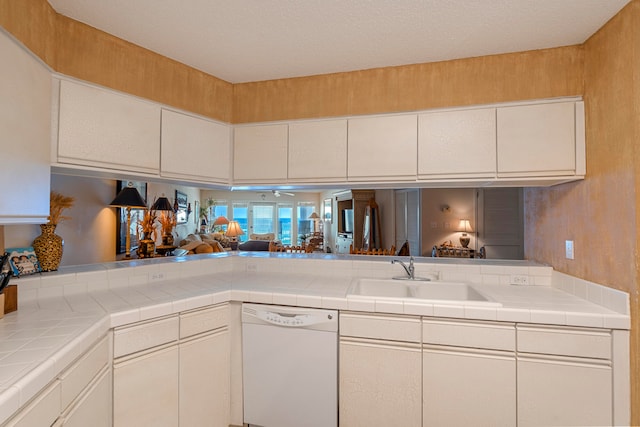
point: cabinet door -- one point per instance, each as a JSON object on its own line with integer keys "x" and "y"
{"x": 204, "y": 381}
{"x": 537, "y": 140}
{"x": 94, "y": 408}
{"x": 25, "y": 126}
{"x": 260, "y": 153}
{"x": 563, "y": 392}
{"x": 145, "y": 389}
{"x": 195, "y": 148}
{"x": 457, "y": 144}
{"x": 380, "y": 383}
{"x": 106, "y": 129}
{"x": 318, "y": 151}
{"x": 382, "y": 147}
{"x": 468, "y": 387}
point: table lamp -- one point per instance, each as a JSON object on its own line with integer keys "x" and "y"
{"x": 163, "y": 205}
{"x": 233, "y": 231}
{"x": 465, "y": 227}
{"x": 128, "y": 198}
{"x": 219, "y": 222}
{"x": 314, "y": 217}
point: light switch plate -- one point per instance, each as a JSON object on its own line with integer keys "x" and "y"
{"x": 568, "y": 248}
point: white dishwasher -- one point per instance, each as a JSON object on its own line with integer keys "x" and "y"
{"x": 290, "y": 366}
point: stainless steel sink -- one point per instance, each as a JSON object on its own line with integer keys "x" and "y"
{"x": 437, "y": 292}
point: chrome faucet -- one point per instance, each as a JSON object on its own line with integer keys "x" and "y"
{"x": 411, "y": 273}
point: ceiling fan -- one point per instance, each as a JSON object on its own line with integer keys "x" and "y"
{"x": 278, "y": 193}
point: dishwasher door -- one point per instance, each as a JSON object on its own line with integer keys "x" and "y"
{"x": 290, "y": 366}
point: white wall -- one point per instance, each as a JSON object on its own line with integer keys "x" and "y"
{"x": 439, "y": 226}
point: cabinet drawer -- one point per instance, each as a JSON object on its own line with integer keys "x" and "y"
{"x": 488, "y": 335}
{"x": 42, "y": 411}
{"x": 141, "y": 336}
{"x": 392, "y": 328}
{"x": 580, "y": 342}
{"x": 78, "y": 376}
{"x": 196, "y": 322}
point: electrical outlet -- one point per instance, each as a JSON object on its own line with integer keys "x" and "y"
{"x": 518, "y": 279}
{"x": 157, "y": 276}
{"x": 568, "y": 249}
{"x": 252, "y": 267}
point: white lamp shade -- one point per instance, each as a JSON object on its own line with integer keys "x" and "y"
{"x": 465, "y": 226}
{"x": 233, "y": 229}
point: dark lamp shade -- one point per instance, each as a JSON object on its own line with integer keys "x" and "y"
{"x": 162, "y": 204}
{"x": 128, "y": 197}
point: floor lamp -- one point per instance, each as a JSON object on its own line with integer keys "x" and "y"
{"x": 128, "y": 198}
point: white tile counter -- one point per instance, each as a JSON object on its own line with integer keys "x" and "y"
{"x": 61, "y": 313}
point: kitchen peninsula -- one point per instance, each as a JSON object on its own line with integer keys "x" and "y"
{"x": 63, "y": 314}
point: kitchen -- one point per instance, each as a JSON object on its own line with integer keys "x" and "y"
{"x": 597, "y": 70}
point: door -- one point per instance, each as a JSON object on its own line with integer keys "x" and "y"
{"x": 563, "y": 391}
{"x": 407, "y": 215}
{"x": 465, "y": 387}
{"x": 145, "y": 389}
{"x": 204, "y": 381}
{"x": 384, "y": 391}
{"x": 501, "y": 222}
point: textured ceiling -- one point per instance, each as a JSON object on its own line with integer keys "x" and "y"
{"x": 254, "y": 40}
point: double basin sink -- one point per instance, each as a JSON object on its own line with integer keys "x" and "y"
{"x": 436, "y": 292}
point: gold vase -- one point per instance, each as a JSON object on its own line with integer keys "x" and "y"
{"x": 48, "y": 247}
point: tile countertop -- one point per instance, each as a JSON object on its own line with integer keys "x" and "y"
{"x": 62, "y": 313}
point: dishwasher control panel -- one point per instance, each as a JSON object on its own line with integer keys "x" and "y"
{"x": 290, "y": 316}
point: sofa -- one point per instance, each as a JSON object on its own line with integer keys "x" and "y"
{"x": 204, "y": 243}
{"x": 257, "y": 242}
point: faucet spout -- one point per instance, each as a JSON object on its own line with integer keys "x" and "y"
{"x": 410, "y": 269}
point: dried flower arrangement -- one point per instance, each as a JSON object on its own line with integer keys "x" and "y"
{"x": 168, "y": 220}
{"x": 57, "y": 204}
{"x": 148, "y": 223}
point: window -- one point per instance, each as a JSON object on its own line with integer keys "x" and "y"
{"x": 285, "y": 225}
{"x": 262, "y": 218}
{"x": 305, "y": 225}
{"x": 241, "y": 214}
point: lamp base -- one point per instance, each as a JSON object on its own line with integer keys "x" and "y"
{"x": 233, "y": 245}
{"x": 464, "y": 240}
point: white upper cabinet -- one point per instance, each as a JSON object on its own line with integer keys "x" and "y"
{"x": 540, "y": 139}
{"x": 383, "y": 148}
{"x": 25, "y": 132}
{"x": 260, "y": 154}
{"x": 194, "y": 148}
{"x": 318, "y": 151}
{"x": 107, "y": 130}
{"x": 457, "y": 144}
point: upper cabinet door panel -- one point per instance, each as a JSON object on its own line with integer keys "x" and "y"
{"x": 260, "y": 153}
{"x": 25, "y": 132}
{"x": 457, "y": 144}
{"x": 383, "y": 148}
{"x": 318, "y": 150}
{"x": 537, "y": 140}
{"x": 106, "y": 129}
{"x": 194, "y": 148}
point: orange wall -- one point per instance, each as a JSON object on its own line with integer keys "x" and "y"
{"x": 601, "y": 213}
{"x": 77, "y": 50}
{"x": 498, "y": 78}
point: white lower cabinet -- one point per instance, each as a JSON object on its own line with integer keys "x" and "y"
{"x": 380, "y": 381}
{"x": 469, "y": 373}
{"x": 94, "y": 406}
{"x": 173, "y": 371}
{"x": 467, "y": 387}
{"x": 565, "y": 377}
{"x": 145, "y": 389}
{"x": 204, "y": 381}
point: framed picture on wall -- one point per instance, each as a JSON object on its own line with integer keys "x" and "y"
{"x": 121, "y": 217}
{"x": 181, "y": 207}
